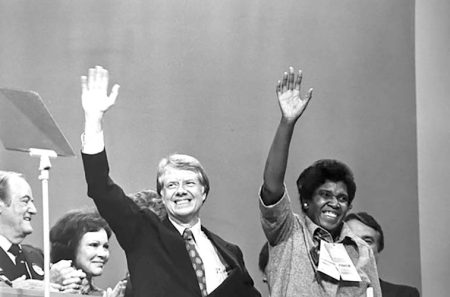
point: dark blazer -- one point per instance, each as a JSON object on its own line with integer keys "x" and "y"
{"x": 34, "y": 258}
{"x": 394, "y": 290}
{"x": 157, "y": 259}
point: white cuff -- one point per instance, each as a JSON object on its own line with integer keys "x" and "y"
{"x": 92, "y": 143}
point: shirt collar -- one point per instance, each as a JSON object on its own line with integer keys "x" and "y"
{"x": 196, "y": 228}
{"x": 313, "y": 228}
{"x": 5, "y": 244}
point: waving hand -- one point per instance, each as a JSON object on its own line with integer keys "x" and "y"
{"x": 292, "y": 106}
{"x": 94, "y": 92}
{"x": 289, "y": 99}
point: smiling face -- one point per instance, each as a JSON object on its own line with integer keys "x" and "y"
{"x": 92, "y": 252}
{"x": 16, "y": 212}
{"x": 328, "y": 206}
{"x": 182, "y": 194}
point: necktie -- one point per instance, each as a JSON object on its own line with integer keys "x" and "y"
{"x": 197, "y": 262}
{"x": 20, "y": 260}
{"x": 319, "y": 235}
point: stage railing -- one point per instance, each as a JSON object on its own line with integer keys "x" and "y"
{"x": 10, "y": 292}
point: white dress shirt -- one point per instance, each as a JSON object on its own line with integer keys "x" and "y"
{"x": 92, "y": 143}
{"x": 5, "y": 244}
{"x": 215, "y": 271}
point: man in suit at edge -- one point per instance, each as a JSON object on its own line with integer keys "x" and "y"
{"x": 156, "y": 251}
{"x": 366, "y": 227}
{"x": 20, "y": 264}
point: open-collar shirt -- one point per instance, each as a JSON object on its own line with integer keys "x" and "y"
{"x": 291, "y": 271}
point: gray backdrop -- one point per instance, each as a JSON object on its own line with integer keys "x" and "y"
{"x": 198, "y": 77}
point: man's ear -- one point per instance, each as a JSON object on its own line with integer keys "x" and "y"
{"x": 204, "y": 194}
{"x": 350, "y": 206}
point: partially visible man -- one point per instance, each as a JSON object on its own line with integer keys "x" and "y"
{"x": 263, "y": 260}
{"x": 368, "y": 229}
{"x": 177, "y": 256}
{"x": 149, "y": 199}
{"x": 20, "y": 264}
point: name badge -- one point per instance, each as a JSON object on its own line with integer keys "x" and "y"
{"x": 37, "y": 269}
{"x": 335, "y": 262}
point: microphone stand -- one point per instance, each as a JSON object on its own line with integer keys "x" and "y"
{"x": 44, "y": 168}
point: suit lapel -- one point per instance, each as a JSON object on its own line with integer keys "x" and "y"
{"x": 175, "y": 247}
{"x": 223, "y": 248}
{"x": 233, "y": 283}
{"x": 7, "y": 265}
{"x": 35, "y": 262}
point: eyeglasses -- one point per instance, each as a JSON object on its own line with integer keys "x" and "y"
{"x": 328, "y": 195}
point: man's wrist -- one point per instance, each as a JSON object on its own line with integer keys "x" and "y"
{"x": 93, "y": 123}
{"x": 92, "y": 142}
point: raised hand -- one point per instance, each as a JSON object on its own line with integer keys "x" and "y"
{"x": 289, "y": 99}
{"x": 94, "y": 92}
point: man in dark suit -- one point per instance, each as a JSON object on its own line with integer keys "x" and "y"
{"x": 20, "y": 263}
{"x": 175, "y": 257}
{"x": 368, "y": 229}
{"x": 16, "y": 211}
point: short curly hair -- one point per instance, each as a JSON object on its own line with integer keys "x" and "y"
{"x": 319, "y": 172}
{"x": 66, "y": 234}
{"x": 149, "y": 199}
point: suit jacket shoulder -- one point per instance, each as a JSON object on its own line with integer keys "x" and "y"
{"x": 395, "y": 290}
{"x": 33, "y": 253}
{"x": 35, "y": 260}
